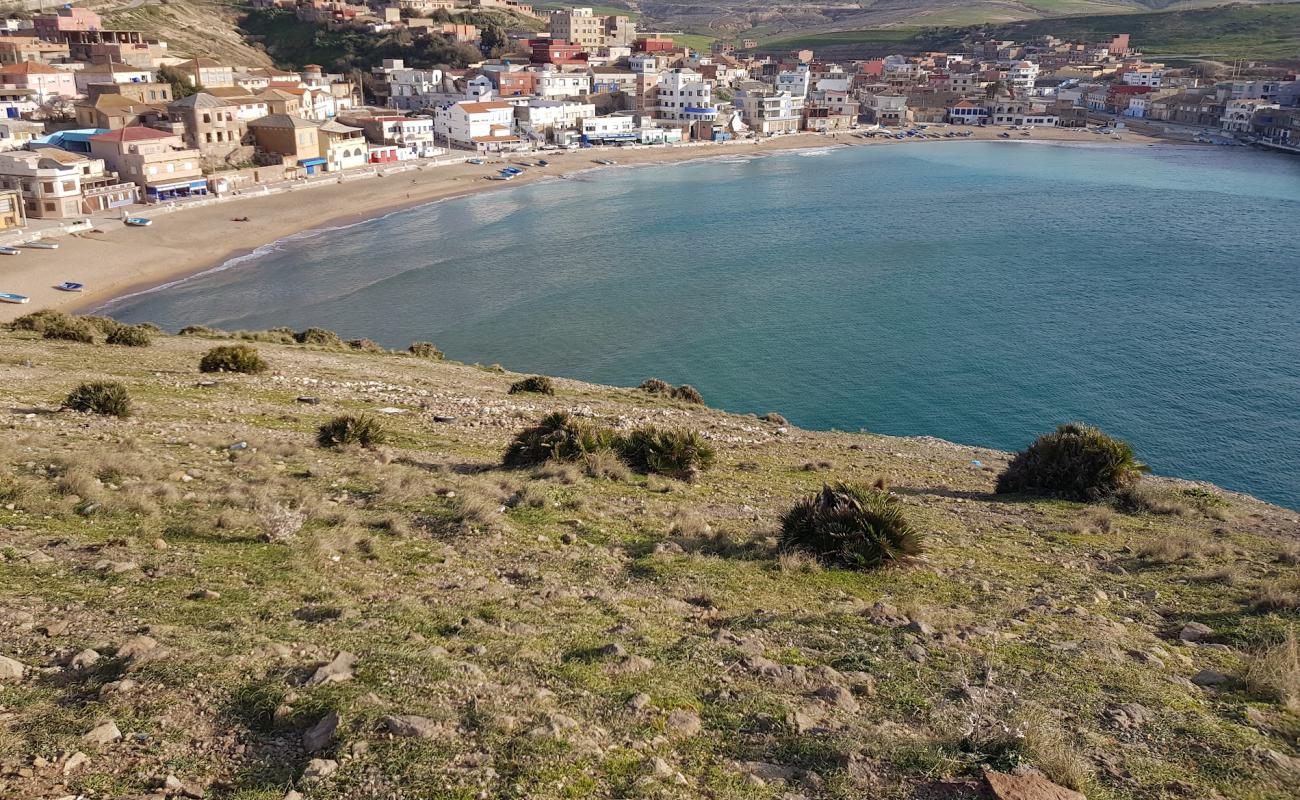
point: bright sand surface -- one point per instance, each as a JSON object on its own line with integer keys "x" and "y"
{"x": 118, "y": 260}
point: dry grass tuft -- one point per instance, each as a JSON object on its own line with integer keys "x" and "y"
{"x": 1172, "y": 549}
{"x": 605, "y": 465}
{"x": 1274, "y": 672}
{"x": 798, "y": 562}
{"x": 279, "y": 522}
{"x": 1143, "y": 498}
{"x": 1282, "y": 594}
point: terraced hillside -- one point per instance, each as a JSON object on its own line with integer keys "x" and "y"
{"x": 201, "y": 599}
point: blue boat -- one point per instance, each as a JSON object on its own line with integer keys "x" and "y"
{"x": 477, "y": 161}
{"x": 70, "y": 286}
{"x": 10, "y": 251}
{"x": 511, "y": 171}
{"x": 10, "y": 297}
{"x": 138, "y": 222}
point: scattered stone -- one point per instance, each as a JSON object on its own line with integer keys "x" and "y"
{"x": 919, "y": 627}
{"x": 1280, "y": 761}
{"x": 319, "y": 769}
{"x": 1128, "y": 717}
{"x": 103, "y": 733}
{"x": 84, "y": 660}
{"x": 39, "y": 557}
{"x": 410, "y": 726}
{"x": 1196, "y": 632}
{"x": 204, "y": 594}
{"x": 614, "y": 650}
{"x": 115, "y": 567}
{"x": 321, "y": 735}
{"x": 177, "y": 788}
{"x": 917, "y": 653}
{"x": 838, "y": 697}
{"x": 886, "y": 616}
{"x": 56, "y": 628}
{"x": 137, "y": 647}
{"x": 1027, "y": 787}
{"x": 160, "y": 544}
{"x": 766, "y": 771}
{"x": 1209, "y": 677}
{"x": 631, "y": 665}
{"x": 638, "y": 701}
{"x": 683, "y": 723}
{"x": 76, "y": 760}
{"x": 311, "y": 401}
{"x": 336, "y": 671}
{"x": 117, "y": 687}
{"x": 10, "y": 670}
{"x": 569, "y": 537}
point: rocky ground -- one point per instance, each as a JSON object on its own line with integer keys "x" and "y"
{"x": 200, "y": 601}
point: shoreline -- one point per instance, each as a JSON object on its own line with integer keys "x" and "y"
{"x": 119, "y": 261}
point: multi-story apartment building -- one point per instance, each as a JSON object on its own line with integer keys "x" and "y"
{"x": 157, "y": 161}
{"x": 582, "y": 27}
{"x": 478, "y": 126}
{"x": 551, "y": 84}
{"x": 765, "y": 110}
{"x": 45, "y": 81}
{"x": 684, "y": 97}
{"x": 212, "y": 126}
{"x": 56, "y": 184}
{"x": 206, "y": 72}
{"x": 1022, "y": 75}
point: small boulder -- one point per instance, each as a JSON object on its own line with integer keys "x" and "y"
{"x": 683, "y": 723}
{"x": 136, "y": 647}
{"x": 1209, "y": 677}
{"x": 321, "y": 735}
{"x": 10, "y": 669}
{"x": 319, "y": 769}
{"x": 1196, "y": 632}
{"x": 1027, "y": 787}
{"x": 838, "y": 697}
{"x": 336, "y": 671}
{"x": 104, "y": 733}
{"x": 410, "y": 726}
{"x": 84, "y": 660}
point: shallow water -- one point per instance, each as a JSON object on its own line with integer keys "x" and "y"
{"x": 977, "y": 291}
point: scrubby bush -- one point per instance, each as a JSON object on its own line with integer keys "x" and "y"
{"x": 685, "y": 392}
{"x": 365, "y": 345}
{"x": 538, "y": 384}
{"x": 318, "y": 337}
{"x": 425, "y": 350}
{"x": 357, "y": 429}
{"x": 199, "y": 330}
{"x": 675, "y": 452}
{"x": 104, "y": 325}
{"x": 655, "y": 386}
{"x": 558, "y": 437}
{"x": 130, "y": 336}
{"x": 108, "y": 398}
{"x": 1076, "y": 462}
{"x": 68, "y": 329}
{"x": 233, "y": 358}
{"x": 850, "y": 525}
{"x": 36, "y": 320}
{"x": 1136, "y": 498}
{"x": 273, "y": 336}
{"x": 1273, "y": 672}
{"x": 774, "y": 418}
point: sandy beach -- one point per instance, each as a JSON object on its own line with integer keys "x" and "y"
{"x": 117, "y": 260}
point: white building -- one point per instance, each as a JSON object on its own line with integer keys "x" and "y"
{"x": 611, "y": 128}
{"x": 413, "y": 89}
{"x": 796, "y": 83}
{"x": 684, "y": 96}
{"x": 766, "y": 111}
{"x": 479, "y": 126}
{"x": 549, "y": 119}
{"x": 1022, "y": 75}
{"x": 1237, "y": 114}
{"x": 552, "y": 84}
{"x": 1146, "y": 76}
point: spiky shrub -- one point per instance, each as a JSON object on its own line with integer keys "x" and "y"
{"x": 774, "y": 418}
{"x": 537, "y": 384}
{"x": 318, "y": 337}
{"x": 232, "y": 358}
{"x": 104, "y": 325}
{"x": 198, "y": 330}
{"x": 558, "y": 437}
{"x": 130, "y": 336}
{"x": 425, "y": 350}
{"x": 668, "y": 451}
{"x": 355, "y": 429}
{"x": 1076, "y": 462}
{"x": 850, "y": 525}
{"x": 365, "y": 345}
{"x": 69, "y": 329}
{"x": 108, "y": 398}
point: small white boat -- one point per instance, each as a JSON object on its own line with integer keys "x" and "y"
{"x": 10, "y": 251}
{"x": 138, "y": 222}
{"x": 10, "y": 297}
{"x": 70, "y": 286}
{"x": 42, "y": 245}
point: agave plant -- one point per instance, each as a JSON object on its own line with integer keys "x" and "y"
{"x": 667, "y": 451}
{"x": 1076, "y": 462}
{"x": 851, "y": 526}
{"x": 357, "y": 429}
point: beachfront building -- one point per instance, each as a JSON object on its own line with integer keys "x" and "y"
{"x": 413, "y": 89}
{"x": 413, "y": 135}
{"x": 292, "y": 141}
{"x": 485, "y": 127}
{"x": 550, "y": 120}
{"x": 967, "y": 112}
{"x": 342, "y": 146}
{"x": 551, "y": 84}
{"x": 158, "y": 162}
{"x": 620, "y": 127}
{"x": 1239, "y": 114}
{"x": 685, "y": 97}
{"x": 56, "y": 184}
{"x": 11, "y": 210}
{"x": 766, "y": 111}
{"x": 887, "y": 108}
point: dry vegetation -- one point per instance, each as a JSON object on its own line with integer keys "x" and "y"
{"x": 255, "y": 613}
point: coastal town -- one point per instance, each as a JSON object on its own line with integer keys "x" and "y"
{"x": 104, "y": 127}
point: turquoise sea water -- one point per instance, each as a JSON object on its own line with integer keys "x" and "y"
{"x": 980, "y": 292}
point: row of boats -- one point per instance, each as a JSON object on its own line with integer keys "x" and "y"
{"x": 66, "y": 286}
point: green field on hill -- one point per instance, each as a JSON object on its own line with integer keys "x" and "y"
{"x": 1269, "y": 32}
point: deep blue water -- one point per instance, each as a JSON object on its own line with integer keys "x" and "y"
{"x": 979, "y": 292}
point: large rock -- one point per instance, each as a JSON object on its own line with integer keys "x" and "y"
{"x": 103, "y": 733}
{"x": 1027, "y": 787}
{"x": 136, "y": 647}
{"x": 683, "y": 723}
{"x": 1196, "y": 632}
{"x": 1209, "y": 677}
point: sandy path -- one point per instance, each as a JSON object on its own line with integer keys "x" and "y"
{"x": 119, "y": 260}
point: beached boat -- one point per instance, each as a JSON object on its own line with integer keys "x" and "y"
{"x": 9, "y": 297}
{"x": 504, "y": 176}
{"x": 609, "y": 162}
{"x": 511, "y": 171}
{"x": 70, "y": 286}
{"x": 42, "y": 245}
{"x": 543, "y": 163}
{"x": 476, "y": 161}
{"x": 10, "y": 251}
{"x": 138, "y": 222}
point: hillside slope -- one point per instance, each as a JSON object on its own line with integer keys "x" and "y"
{"x": 208, "y": 580}
{"x": 191, "y": 28}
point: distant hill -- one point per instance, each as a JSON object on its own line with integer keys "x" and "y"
{"x": 1266, "y": 32}
{"x": 191, "y": 28}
